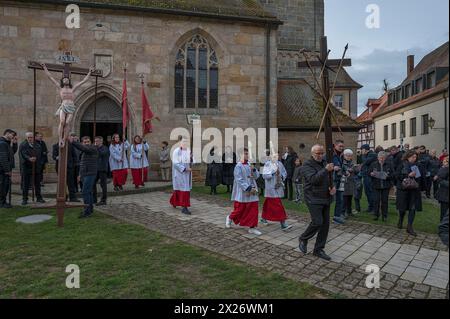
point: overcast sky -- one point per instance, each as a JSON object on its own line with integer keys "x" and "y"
{"x": 406, "y": 27}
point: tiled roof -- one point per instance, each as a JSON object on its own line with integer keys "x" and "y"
{"x": 442, "y": 86}
{"x": 437, "y": 58}
{"x": 344, "y": 80}
{"x": 229, "y": 8}
{"x": 299, "y": 107}
{"x": 377, "y": 105}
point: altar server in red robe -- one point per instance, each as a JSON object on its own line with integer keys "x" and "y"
{"x": 245, "y": 196}
{"x": 274, "y": 175}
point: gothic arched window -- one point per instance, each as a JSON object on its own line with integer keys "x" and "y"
{"x": 196, "y": 75}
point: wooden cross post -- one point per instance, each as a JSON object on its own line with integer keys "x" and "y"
{"x": 67, "y": 59}
{"x": 326, "y": 64}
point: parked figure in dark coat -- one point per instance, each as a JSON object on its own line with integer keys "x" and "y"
{"x": 214, "y": 171}
{"x": 435, "y": 165}
{"x": 348, "y": 182}
{"x": 382, "y": 174}
{"x": 318, "y": 196}
{"x": 408, "y": 198}
{"x": 8, "y": 147}
{"x": 30, "y": 160}
{"x": 442, "y": 193}
{"x": 423, "y": 162}
{"x": 394, "y": 157}
{"x": 368, "y": 157}
{"x": 102, "y": 171}
{"x": 39, "y": 139}
{"x": 228, "y": 165}
{"x": 288, "y": 161}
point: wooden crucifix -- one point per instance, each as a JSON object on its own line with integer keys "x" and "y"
{"x": 66, "y": 69}
{"x": 327, "y": 64}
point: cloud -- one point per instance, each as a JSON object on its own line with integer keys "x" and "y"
{"x": 371, "y": 69}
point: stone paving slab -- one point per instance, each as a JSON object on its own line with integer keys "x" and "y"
{"x": 277, "y": 250}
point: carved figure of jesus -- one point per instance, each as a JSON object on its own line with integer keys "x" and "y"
{"x": 67, "y": 108}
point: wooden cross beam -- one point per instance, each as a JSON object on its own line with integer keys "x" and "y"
{"x": 327, "y": 91}
{"x": 329, "y": 65}
{"x": 60, "y": 68}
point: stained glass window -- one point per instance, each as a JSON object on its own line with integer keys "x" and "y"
{"x": 196, "y": 75}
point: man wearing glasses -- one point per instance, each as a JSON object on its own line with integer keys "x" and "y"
{"x": 318, "y": 196}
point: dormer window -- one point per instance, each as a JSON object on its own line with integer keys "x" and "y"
{"x": 408, "y": 91}
{"x": 431, "y": 80}
{"x": 391, "y": 98}
{"x": 419, "y": 85}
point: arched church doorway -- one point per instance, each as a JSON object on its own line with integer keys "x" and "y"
{"x": 108, "y": 119}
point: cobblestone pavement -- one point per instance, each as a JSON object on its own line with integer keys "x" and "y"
{"x": 49, "y": 191}
{"x": 408, "y": 270}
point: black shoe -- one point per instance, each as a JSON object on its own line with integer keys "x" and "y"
{"x": 321, "y": 254}
{"x": 24, "y": 203}
{"x": 40, "y": 200}
{"x": 411, "y": 231}
{"x": 6, "y": 206}
{"x": 376, "y": 218}
{"x": 102, "y": 203}
{"x": 186, "y": 211}
{"x": 303, "y": 246}
{"x": 384, "y": 219}
{"x": 120, "y": 188}
{"x": 85, "y": 215}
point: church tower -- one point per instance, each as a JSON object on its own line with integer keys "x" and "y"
{"x": 303, "y": 26}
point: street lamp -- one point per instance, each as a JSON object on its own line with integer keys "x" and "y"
{"x": 431, "y": 123}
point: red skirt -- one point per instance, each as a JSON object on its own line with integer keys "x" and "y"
{"x": 137, "y": 176}
{"x": 120, "y": 177}
{"x": 245, "y": 214}
{"x": 180, "y": 199}
{"x": 273, "y": 210}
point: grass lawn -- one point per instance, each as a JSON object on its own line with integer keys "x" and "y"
{"x": 119, "y": 260}
{"x": 426, "y": 221}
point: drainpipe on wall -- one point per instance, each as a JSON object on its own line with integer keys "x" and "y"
{"x": 268, "y": 80}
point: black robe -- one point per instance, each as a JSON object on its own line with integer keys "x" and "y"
{"x": 228, "y": 170}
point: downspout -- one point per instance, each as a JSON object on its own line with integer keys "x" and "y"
{"x": 268, "y": 80}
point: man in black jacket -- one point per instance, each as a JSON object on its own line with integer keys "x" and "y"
{"x": 435, "y": 165}
{"x": 30, "y": 160}
{"x": 318, "y": 196}
{"x": 288, "y": 161}
{"x": 423, "y": 162}
{"x": 102, "y": 170}
{"x": 88, "y": 173}
{"x": 382, "y": 174}
{"x": 8, "y": 147}
{"x": 39, "y": 139}
{"x": 395, "y": 157}
{"x": 368, "y": 157}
